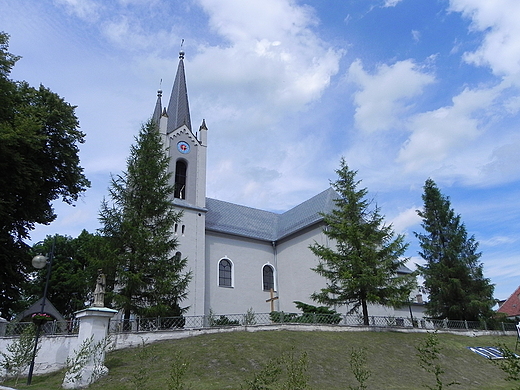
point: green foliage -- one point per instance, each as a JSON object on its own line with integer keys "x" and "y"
{"x": 317, "y": 314}
{"x": 178, "y": 371}
{"x": 286, "y": 372}
{"x": 19, "y": 353}
{"x": 226, "y": 360}
{"x": 429, "y": 354}
{"x": 39, "y": 163}
{"x": 452, "y": 274}
{"x": 281, "y": 316}
{"x": 358, "y": 365}
{"x": 249, "y": 317}
{"x": 139, "y": 226}
{"x": 88, "y": 353}
{"x": 296, "y": 371}
{"x": 362, "y": 265}
{"x": 510, "y": 364}
{"x": 146, "y": 355}
{"x": 265, "y": 378}
{"x": 311, "y": 315}
{"x": 74, "y": 271}
{"x": 224, "y": 321}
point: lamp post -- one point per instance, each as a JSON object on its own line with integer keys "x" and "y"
{"x": 39, "y": 262}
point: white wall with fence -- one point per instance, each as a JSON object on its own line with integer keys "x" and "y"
{"x": 59, "y": 339}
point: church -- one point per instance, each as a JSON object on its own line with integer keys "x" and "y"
{"x": 240, "y": 257}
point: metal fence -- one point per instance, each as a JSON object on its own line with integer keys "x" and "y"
{"x": 281, "y": 318}
{"x": 9, "y": 329}
{"x": 138, "y": 324}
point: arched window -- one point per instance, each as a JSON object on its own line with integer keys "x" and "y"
{"x": 181, "y": 168}
{"x": 225, "y": 273}
{"x": 268, "y": 277}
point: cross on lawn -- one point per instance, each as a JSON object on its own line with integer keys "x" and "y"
{"x": 272, "y": 299}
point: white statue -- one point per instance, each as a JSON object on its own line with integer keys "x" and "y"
{"x": 99, "y": 291}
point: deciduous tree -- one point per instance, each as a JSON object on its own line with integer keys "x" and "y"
{"x": 74, "y": 271}
{"x": 362, "y": 263}
{"x": 453, "y": 274}
{"x": 39, "y": 163}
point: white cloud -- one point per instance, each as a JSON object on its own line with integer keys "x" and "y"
{"x": 498, "y": 20}
{"x": 127, "y": 33}
{"x": 271, "y": 65}
{"x": 406, "y": 219}
{"x": 244, "y": 21}
{"x": 438, "y": 134}
{"x": 499, "y": 240}
{"x": 416, "y": 35}
{"x": 271, "y": 51}
{"x": 391, "y": 3}
{"x": 386, "y": 95}
{"x": 505, "y": 162}
{"x": 84, "y": 9}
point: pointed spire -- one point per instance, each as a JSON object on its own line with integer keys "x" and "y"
{"x": 156, "y": 117}
{"x": 178, "y": 109}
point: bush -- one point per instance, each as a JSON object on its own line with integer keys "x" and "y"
{"x": 311, "y": 315}
{"x": 224, "y": 321}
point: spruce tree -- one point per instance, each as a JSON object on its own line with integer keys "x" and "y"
{"x": 453, "y": 275}
{"x": 150, "y": 276}
{"x": 361, "y": 266}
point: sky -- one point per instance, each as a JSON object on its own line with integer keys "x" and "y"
{"x": 404, "y": 90}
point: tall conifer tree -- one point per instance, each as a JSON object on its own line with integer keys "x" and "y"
{"x": 150, "y": 275}
{"x": 453, "y": 275}
{"x": 362, "y": 262}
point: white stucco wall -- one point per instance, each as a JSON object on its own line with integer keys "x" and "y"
{"x": 248, "y": 258}
{"x": 191, "y": 246}
{"x": 297, "y": 280}
{"x": 52, "y": 354}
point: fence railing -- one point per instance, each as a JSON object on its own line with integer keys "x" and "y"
{"x": 250, "y": 319}
{"x": 280, "y": 318}
{"x": 49, "y": 328}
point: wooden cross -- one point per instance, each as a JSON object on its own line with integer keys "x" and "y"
{"x": 272, "y": 299}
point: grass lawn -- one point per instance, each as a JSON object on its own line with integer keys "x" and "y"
{"x": 226, "y": 360}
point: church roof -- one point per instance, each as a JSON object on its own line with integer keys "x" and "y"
{"x": 178, "y": 110}
{"x": 157, "y": 112}
{"x": 230, "y": 218}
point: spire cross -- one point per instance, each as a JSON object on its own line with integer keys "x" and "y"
{"x": 272, "y": 299}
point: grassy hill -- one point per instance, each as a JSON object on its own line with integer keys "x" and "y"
{"x": 226, "y": 360}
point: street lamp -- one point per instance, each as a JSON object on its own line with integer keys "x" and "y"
{"x": 39, "y": 262}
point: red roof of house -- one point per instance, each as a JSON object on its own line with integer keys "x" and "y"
{"x": 511, "y": 307}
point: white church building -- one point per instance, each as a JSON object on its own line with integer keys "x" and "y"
{"x": 237, "y": 254}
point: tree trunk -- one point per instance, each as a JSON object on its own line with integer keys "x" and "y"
{"x": 365, "y": 312}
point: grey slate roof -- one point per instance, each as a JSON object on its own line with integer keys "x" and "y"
{"x": 178, "y": 109}
{"x": 230, "y": 218}
{"x": 157, "y": 112}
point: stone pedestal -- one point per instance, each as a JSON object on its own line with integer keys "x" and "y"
{"x": 89, "y": 355}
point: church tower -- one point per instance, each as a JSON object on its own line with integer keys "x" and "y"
{"x": 187, "y": 151}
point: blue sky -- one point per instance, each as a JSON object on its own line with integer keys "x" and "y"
{"x": 403, "y": 89}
